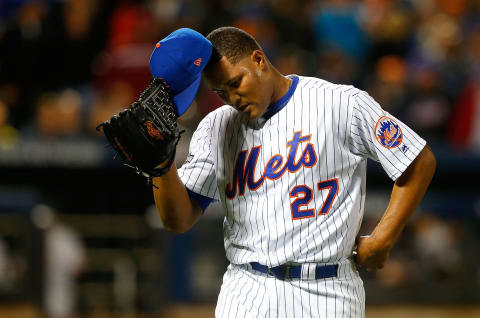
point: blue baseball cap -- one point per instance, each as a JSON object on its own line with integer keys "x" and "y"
{"x": 179, "y": 60}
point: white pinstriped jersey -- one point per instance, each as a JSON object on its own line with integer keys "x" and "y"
{"x": 293, "y": 186}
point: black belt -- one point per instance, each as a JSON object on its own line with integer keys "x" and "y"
{"x": 295, "y": 271}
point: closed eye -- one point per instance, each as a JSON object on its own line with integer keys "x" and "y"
{"x": 220, "y": 93}
{"x": 235, "y": 82}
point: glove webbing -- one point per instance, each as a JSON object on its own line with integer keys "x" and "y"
{"x": 157, "y": 96}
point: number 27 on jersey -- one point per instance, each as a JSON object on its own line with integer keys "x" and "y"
{"x": 303, "y": 195}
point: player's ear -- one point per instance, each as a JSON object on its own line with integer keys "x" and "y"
{"x": 258, "y": 58}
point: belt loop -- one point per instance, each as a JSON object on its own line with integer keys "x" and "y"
{"x": 308, "y": 271}
{"x": 287, "y": 272}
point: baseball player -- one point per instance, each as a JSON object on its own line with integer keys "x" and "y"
{"x": 286, "y": 157}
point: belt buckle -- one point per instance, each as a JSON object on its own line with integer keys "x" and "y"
{"x": 276, "y": 274}
{"x": 287, "y": 271}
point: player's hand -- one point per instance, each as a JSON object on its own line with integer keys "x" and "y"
{"x": 370, "y": 253}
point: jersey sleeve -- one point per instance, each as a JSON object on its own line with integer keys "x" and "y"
{"x": 198, "y": 171}
{"x": 377, "y": 135}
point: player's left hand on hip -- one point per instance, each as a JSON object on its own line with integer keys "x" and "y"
{"x": 370, "y": 254}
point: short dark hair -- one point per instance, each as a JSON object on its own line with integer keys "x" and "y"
{"x": 233, "y": 43}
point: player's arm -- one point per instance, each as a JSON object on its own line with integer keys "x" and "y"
{"x": 176, "y": 209}
{"x": 409, "y": 189}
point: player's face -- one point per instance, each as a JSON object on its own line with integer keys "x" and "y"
{"x": 243, "y": 85}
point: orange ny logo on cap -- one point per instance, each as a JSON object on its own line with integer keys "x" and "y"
{"x": 198, "y": 61}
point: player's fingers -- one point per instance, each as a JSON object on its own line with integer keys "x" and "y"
{"x": 383, "y": 260}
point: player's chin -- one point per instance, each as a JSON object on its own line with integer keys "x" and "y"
{"x": 251, "y": 115}
{"x": 253, "y": 112}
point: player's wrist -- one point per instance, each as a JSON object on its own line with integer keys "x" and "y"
{"x": 164, "y": 164}
{"x": 167, "y": 163}
{"x": 382, "y": 241}
{"x": 162, "y": 169}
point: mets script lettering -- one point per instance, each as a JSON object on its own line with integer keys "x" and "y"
{"x": 244, "y": 169}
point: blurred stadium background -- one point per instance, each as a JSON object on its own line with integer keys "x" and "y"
{"x": 78, "y": 234}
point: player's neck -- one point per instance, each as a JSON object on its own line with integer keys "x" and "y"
{"x": 281, "y": 85}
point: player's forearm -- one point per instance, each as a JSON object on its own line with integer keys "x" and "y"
{"x": 177, "y": 211}
{"x": 407, "y": 193}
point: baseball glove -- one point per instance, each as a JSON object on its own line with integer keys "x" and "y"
{"x": 146, "y": 134}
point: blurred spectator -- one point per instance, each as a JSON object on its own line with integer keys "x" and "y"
{"x": 289, "y": 62}
{"x": 165, "y": 11}
{"x": 110, "y": 101}
{"x": 292, "y": 59}
{"x": 428, "y": 253}
{"x": 436, "y": 243}
{"x": 395, "y": 273}
{"x": 8, "y": 134}
{"x": 464, "y": 130}
{"x": 21, "y": 55}
{"x": 436, "y": 36}
{"x": 65, "y": 260}
{"x": 218, "y": 13}
{"x": 14, "y": 265}
{"x": 465, "y": 123}
{"x": 428, "y": 108}
{"x": 75, "y": 33}
{"x": 337, "y": 67}
{"x": 131, "y": 36}
{"x": 291, "y": 21}
{"x": 4, "y": 262}
{"x": 390, "y": 26}
{"x": 254, "y": 21}
{"x": 58, "y": 115}
{"x": 336, "y": 26}
{"x": 388, "y": 85}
